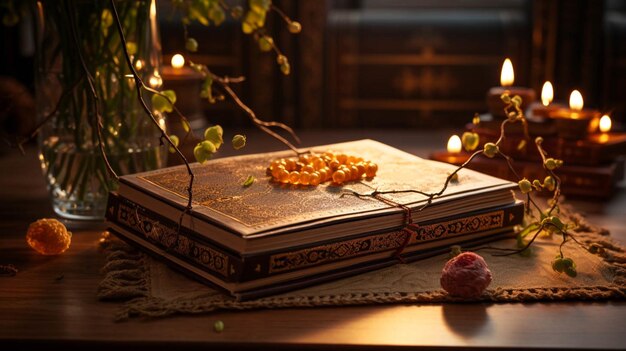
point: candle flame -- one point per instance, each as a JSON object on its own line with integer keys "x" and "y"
{"x": 178, "y": 61}
{"x": 605, "y": 124}
{"x": 547, "y": 93}
{"x": 454, "y": 144}
{"x": 576, "y": 102}
{"x": 507, "y": 76}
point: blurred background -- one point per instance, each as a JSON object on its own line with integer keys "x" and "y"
{"x": 386, "y": 63}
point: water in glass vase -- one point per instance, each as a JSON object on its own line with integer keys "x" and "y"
{"x": 77, "y": 177}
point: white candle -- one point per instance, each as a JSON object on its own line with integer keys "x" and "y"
{"x": 454, "y": 144}
{"x": 605, "y": 124}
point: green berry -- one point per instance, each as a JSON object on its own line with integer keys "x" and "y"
{"x": 174, "y": 140}
{"x": 550, "y": 164}
{"x": 571, "y": 271}
{"x": 490, "y": 150}
{"x": 281, "y": 59}
{"x": 525, "y": 186}
{"x": 470, "y": 141}
{"x": 131, "y": 47}
{"x": 294, "y": 27}
{"x": 191, "y": 45}
{"x": 266, "y": 43}
{"x": 214, "y": 135}
{"x": 549, "y": 183}
{"x": 218, "y": 326}
{"x": 537, "y": 185}
{"x": 161, "y": 104}
{"x": 204, "y": 151}
{"x": 558, "y": 265}
{"x": 239, "y": 141}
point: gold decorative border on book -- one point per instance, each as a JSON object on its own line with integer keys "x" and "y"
{"x": 157, "y": 232}
{"x": 383, "y": 242}
{"x": 335, "y": 251}
{"x": 465, "y": 225}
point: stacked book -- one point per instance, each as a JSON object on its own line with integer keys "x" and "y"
{"x": 592, "y": 167}
{"x": 267, "y": 238}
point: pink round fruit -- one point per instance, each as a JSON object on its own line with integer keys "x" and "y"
{"x": 465, "y": 275}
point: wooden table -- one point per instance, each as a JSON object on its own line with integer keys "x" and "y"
{"x": 51, "y": 302}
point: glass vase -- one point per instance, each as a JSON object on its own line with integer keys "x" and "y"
{"x": 77, "y": 125}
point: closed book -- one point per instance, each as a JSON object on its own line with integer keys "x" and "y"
{"x": 227, "y": 265}
{"x": 247, "y": 222}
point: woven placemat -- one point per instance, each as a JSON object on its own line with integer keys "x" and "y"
{"x": 151, "y": 289}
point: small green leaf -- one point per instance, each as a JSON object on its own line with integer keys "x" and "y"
{"x": 249, "y": 181}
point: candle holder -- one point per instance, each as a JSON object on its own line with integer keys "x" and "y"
{"x": 572, "y": 124}
{"x": 455, "y": 158}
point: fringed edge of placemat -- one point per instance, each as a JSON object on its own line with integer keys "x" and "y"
{"x": 127, "y": 278}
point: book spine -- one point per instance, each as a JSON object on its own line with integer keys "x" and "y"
{"x": 234, "y": 268}
{"x": 167, "y": 235}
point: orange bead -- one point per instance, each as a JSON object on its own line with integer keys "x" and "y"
{"x": 308, "y": 168}
{"x": 346, "y": 171}
{"x": 316, "y": 179}
{"x": 323, "y": 174}
{"x": 361, "y": 167}
{"x": 318, "y": 163}
{"x": 355, "y": 172}
{"x": 334, "y": 164}
{"x": 294, "y": 177}
{"x": 276, "y": 170}
{"x": 290, "y": 164}
{"x": 305, "y": 178}
{"x": 339, "y": 177}
{"x": 371, "y": 169}
{"x": 283, "y": 176}
{"x": 342, "y": 158}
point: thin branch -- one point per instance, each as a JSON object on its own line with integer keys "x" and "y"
{"x": 139, "y": 85}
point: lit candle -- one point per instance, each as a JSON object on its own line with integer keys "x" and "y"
{"x": 576, "y": 103}
{"x": 605, "y": 124}
{"x": 507, "y": 79}
{"x": 547, "y": 93}
{"x": 454, "y": 144}
{"x": 539, "y": 111}
{"x": 576, "y": 122}
{"x": 178, "y": 61}
{"x": 507, "y": 75}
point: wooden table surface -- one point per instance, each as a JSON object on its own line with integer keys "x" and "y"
{"x": 52, "y": 301}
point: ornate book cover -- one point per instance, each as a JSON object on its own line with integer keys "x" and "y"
{"x": 268, "y": 208}
{"x": 208, "y": 255}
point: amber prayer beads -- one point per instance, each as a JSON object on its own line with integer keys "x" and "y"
{"x": 314, "y": 169}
